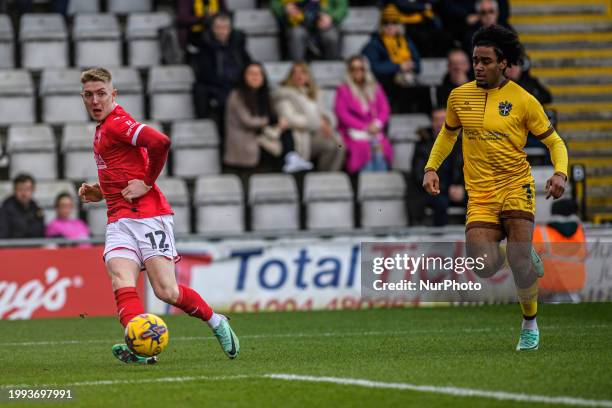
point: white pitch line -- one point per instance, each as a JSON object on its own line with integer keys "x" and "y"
{"x": 305, "y": 335}
{"x": 138, "y": 381}
{"x": 454, "y": 391}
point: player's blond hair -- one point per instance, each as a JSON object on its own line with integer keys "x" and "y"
{"x": 96, "y": 74}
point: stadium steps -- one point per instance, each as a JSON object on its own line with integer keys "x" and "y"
{"x": 572, "y": 57}
{"x": 582, "y": 93}
{"x": 556, "y": 41}
{"x": 569, "y": 43}
{"x": 573, "y": 75}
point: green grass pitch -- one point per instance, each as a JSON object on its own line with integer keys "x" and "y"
{"x": 463, "y": 347}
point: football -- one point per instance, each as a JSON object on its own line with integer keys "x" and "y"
{"x": 146, "y": 335}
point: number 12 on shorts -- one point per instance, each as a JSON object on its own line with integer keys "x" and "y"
{"x": 162, "y": 241}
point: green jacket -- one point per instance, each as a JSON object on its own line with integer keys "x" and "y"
{"x": 337, "y": 9}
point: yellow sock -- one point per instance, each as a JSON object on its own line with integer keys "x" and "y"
{"x": 528, "y": 298}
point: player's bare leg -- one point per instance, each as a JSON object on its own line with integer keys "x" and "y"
{"x": 485, "y": 241}
{"x": 520, "y": 233}
{"x": 124, "y": 275}
{"x": 160, "y": 271}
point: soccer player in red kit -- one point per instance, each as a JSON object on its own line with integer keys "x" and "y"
{"x": 139, "y": 233}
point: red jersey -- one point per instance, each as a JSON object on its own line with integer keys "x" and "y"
{"x": 120, "y": 150}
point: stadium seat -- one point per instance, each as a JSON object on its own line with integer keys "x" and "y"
{"x": 132, "y": 6}
{"x": 142, "y": 34}
{"x": 47, "y": 190}
{"x": 327, "y": 100}
{"x": 77, "y": 148}
{"x": 432, "y": 71}
{"x": 175, "y": 191}
{"x": 263, "y": 48}
{"x": 195, "y": 148}
{"x": 130, "y": 92}
{"x": 360, "y": 20}
{"x": 60, "y": 96}
{"x": 220, "y": 204}
{"x": 403, "y": 135}
{"x": 7, "y": 45}
{"x": 235, "y": 5}
{"x": 32, "y": 150}
{"x": 383, "y": 199}
{"x": 353, "y": 44}
{"x": 256, "y": 22}
{"x": 83, "y": 6}
{"x": 97, "y": 40}
{"x": 328, "y": 74}
{"x": 276, "y": 72}
{"x": 262, "y": 33}
{"x": 328, "y": 198}
{"x": 44, "y": 41}
{"x": 169, "y": 89}
{"x": 274, "y": 202}
{"x": 17, "y": 100}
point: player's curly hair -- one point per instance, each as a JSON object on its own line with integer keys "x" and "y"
{"x": 504, "y": 41}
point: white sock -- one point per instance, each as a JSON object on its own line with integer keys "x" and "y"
{"x": 530, "y": 324}
{"x": 214, "y": 321}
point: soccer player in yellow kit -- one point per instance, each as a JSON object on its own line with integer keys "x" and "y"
{"x": 496, "y": 115}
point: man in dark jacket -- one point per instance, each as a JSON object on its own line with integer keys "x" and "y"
{"x": 20, "y": 216}
{"x": 450, "y": 174}
{"x": 221, "y": 59}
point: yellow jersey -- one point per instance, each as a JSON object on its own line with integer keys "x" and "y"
{"x": 495, "y": 125}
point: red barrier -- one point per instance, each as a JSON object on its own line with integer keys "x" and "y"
{"x": 63, "y": 282}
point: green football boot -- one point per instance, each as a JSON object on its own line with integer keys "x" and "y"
{"x": 227, "y": 338}
{"x": 124, "y": 354}
{"x": 529, "y": 340}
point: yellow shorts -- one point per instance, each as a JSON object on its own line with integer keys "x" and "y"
{"x": 488, "y": 209}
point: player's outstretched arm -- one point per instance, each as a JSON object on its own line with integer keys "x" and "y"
{"x": 555, "y": 186}
{"x": 90, "y": 193}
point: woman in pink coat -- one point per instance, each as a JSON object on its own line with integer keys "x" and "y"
{"x": 362, "y": 110}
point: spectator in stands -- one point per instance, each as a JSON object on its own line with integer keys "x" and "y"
{"x": 64, "y": 225}
{"x": 20, "y": 216}
{"x": 460, "y": 16}
{"x": 363, "y": 112}
{"x": 311, "y": 25}
{"x": 488, "y": 15}
{"x": 421, "y": 25}
{"x": 315, "y": 139}
{"x": 193, "y": 17}
{"x": 451, "y": 175}
{"x": 257, "y": 139}
{"x": 395, "y": 62}
{"x": 219, "y": 63}
{"x": 459, "y": 73}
